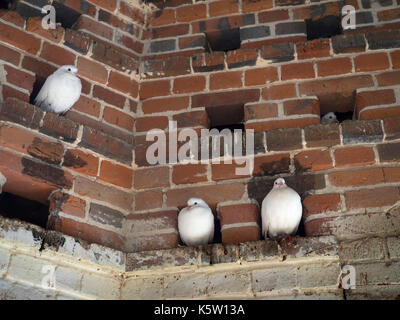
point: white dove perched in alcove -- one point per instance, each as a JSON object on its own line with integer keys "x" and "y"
{"x": 281, "y": 210}
{"x": 196, "y": 223}
{"x": 330, "y": 117}
{"x": 60, "y": 91}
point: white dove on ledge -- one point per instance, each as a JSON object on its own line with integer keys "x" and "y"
{"x": 3, "y": 181}
{"x": 281, "y": 211}
{"x": 60, "y": 90}
{"x": 196, "y": 223}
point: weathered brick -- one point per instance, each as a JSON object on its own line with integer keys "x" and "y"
{"x": 361, "y": 131}
{"x": 20, "y": 112}
{"x": 389, "y": 152}
{"x": 383, "y": 39}
{"x": 321, "y": 203}
{"x": 68, "y": 204}
{"x": 189, "y": 173}
{"x": 19, "y": 39}
{"x": 116, "y": 174}
{"x": 151, "y": 178}
{"x": 59, "y": 127}
{"x": 348, "y": 43}
{"x": 240, "y": 234}
{"x": 371, "y": 62}
{"x": 81, "y": 162}
{"x": 314, "y": 160}
{"x": 270, "y": 165}
{"x": 148, "y": 200}
{"x": 260, "y": 76}
{"x": 371, "y": 198}
{"x": 322, "y": 135}
{"x": 225, "y": 98}
{"x": 284, "y": 139}
{"x": 105, "y": 215}
{"x": 354, "y": 156}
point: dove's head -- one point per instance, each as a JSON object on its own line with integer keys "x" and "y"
{"x": 70, "y": 69}
{"x": 197, "y": 202}
{"x": 330, "y": 117}
{"x": 279, "y": 183}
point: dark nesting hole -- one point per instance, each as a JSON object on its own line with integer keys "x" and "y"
{"x": 217, "y": 231}
{"x": 39, "y": 82}
{"x": 5, "y": 4}
{"x": 226, "y": 117}
{"x": 325, "y": 27}
{"x": 223, "y": 40}
{"x": 65, "y": 15}
{"x": 15, "y": 207}
{"x": 341, "y": 104}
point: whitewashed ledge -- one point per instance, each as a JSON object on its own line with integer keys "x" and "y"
{"x": 306, "y": 268}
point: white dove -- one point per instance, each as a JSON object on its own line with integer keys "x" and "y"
{"x": 196, "y": 223}
{"x": 281, "y": 210}
{"x": 3, "y": 180}
{"x": 60, "y": 90}
{"x": 330, "y": 117}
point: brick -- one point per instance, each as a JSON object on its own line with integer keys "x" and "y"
{"x": 389, "y": 152}
{"x": 256, "y": 32}
{"x": 278, "y": 52}
{"x": 361, "y": 131}
{"x": 353, "y": 178}
{"x": 321, "y": 203}
{"x": 170, "y": 31}
{"x": 105, "y": 215}
{"x": 297, "y": 71}
{"x": 225, "y": 98}
{"x": 392, "y": 128}
{"x": 88, "y": 106}
{"x": 109, "y": 96}
{"x": 316, "y": 12}
{"x": 279, "y": 92}
{"x": 221, "y": 24}
{"x": 272, "y": 16}
{"x": 9, "y": 92}
{"x": 163, "y": 45}
{"x": 148, "y": 200}
{"x": 106, "y": 145}
{"x": 333, "y": 67}
{"x": 116, "y": 174}
{"x": 271, "y": 164}
{"x": 223, "y": 7}
{"x": 371, "y": 62}
{"x": 192, "y": 41}
{"x": 134, "y": 13}
{"x": 354, "y": 156}
{"x": 100, "y": 29}
{"x": 166, "y": 67}
{"x": 395, "y": 56}
{"x": 260, "y": 76}
{"x": 79, "y": 161}
{"x": 189, "y": 84}
{"x": 34, "y": 25}
{"x": 92, "y": 70}
{"x": 284, "y": 139}
{"x": 371, "y": 198}
{"x": 388, "y": 78}
{"x": 290, "y": 28}
{"x": 68, "y": 204}
{"x": 348, "y": 43}
{"x": 151, "y": 178}
{"x": 9, "y": 55}
{"x": 118, "y": 118}
{"x": 241, "y": 57}
{"x": 19, "y": 39}
{"x": 322, "y": 135}
{"x": 163, "y": 17}
{"x": 383, "y": 39}
{"x": 41, "y": 69}
{"x": 152, "y": 222}
{"x": 255, "y": 6}
{"x": 313, "y": 49}
{"x": 205, "y": 62}
{"x": 241, "y": 234}
{"x": 314, "y": 160}
{"x": 123, "y": 84}
{"x": 159, "y": 241}
{"x": 57, "y": 54}
{"x": 191, "y": 13}
{"x": 110, "y": 5}
{"x": 95, "y": 190}
{"x": 212, "y": 194}
{"x": 231, "y": 214}
{"x": 165, "y": 104}
{"x": 20, "y": 112}
{"x": 301, "y": 106}
{"x": 276, "y": 124}
{"x": 387, "y": 15}
{"x": 156, "y": 88}
{"x": 226, "y": 171}
{"x": 260, "y": 111}
{"x": 380, "y": 113}
{"x": 189, "y": 173}
{"x": 19, "y": 78}
{"x": 77, "y": 41}
{"x": 192, "y": 119}
{"x": 89, "y": 233}
{"x": 149, "y": 123}
{"x": 12, "y": 17}
{"x": 225, "y": 80}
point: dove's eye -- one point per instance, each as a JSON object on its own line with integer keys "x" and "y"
{"x": 69, "y": 69}
{"x": 195, "y": 203}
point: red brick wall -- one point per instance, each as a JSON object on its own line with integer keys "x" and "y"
{"x": 141, "y": 66}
